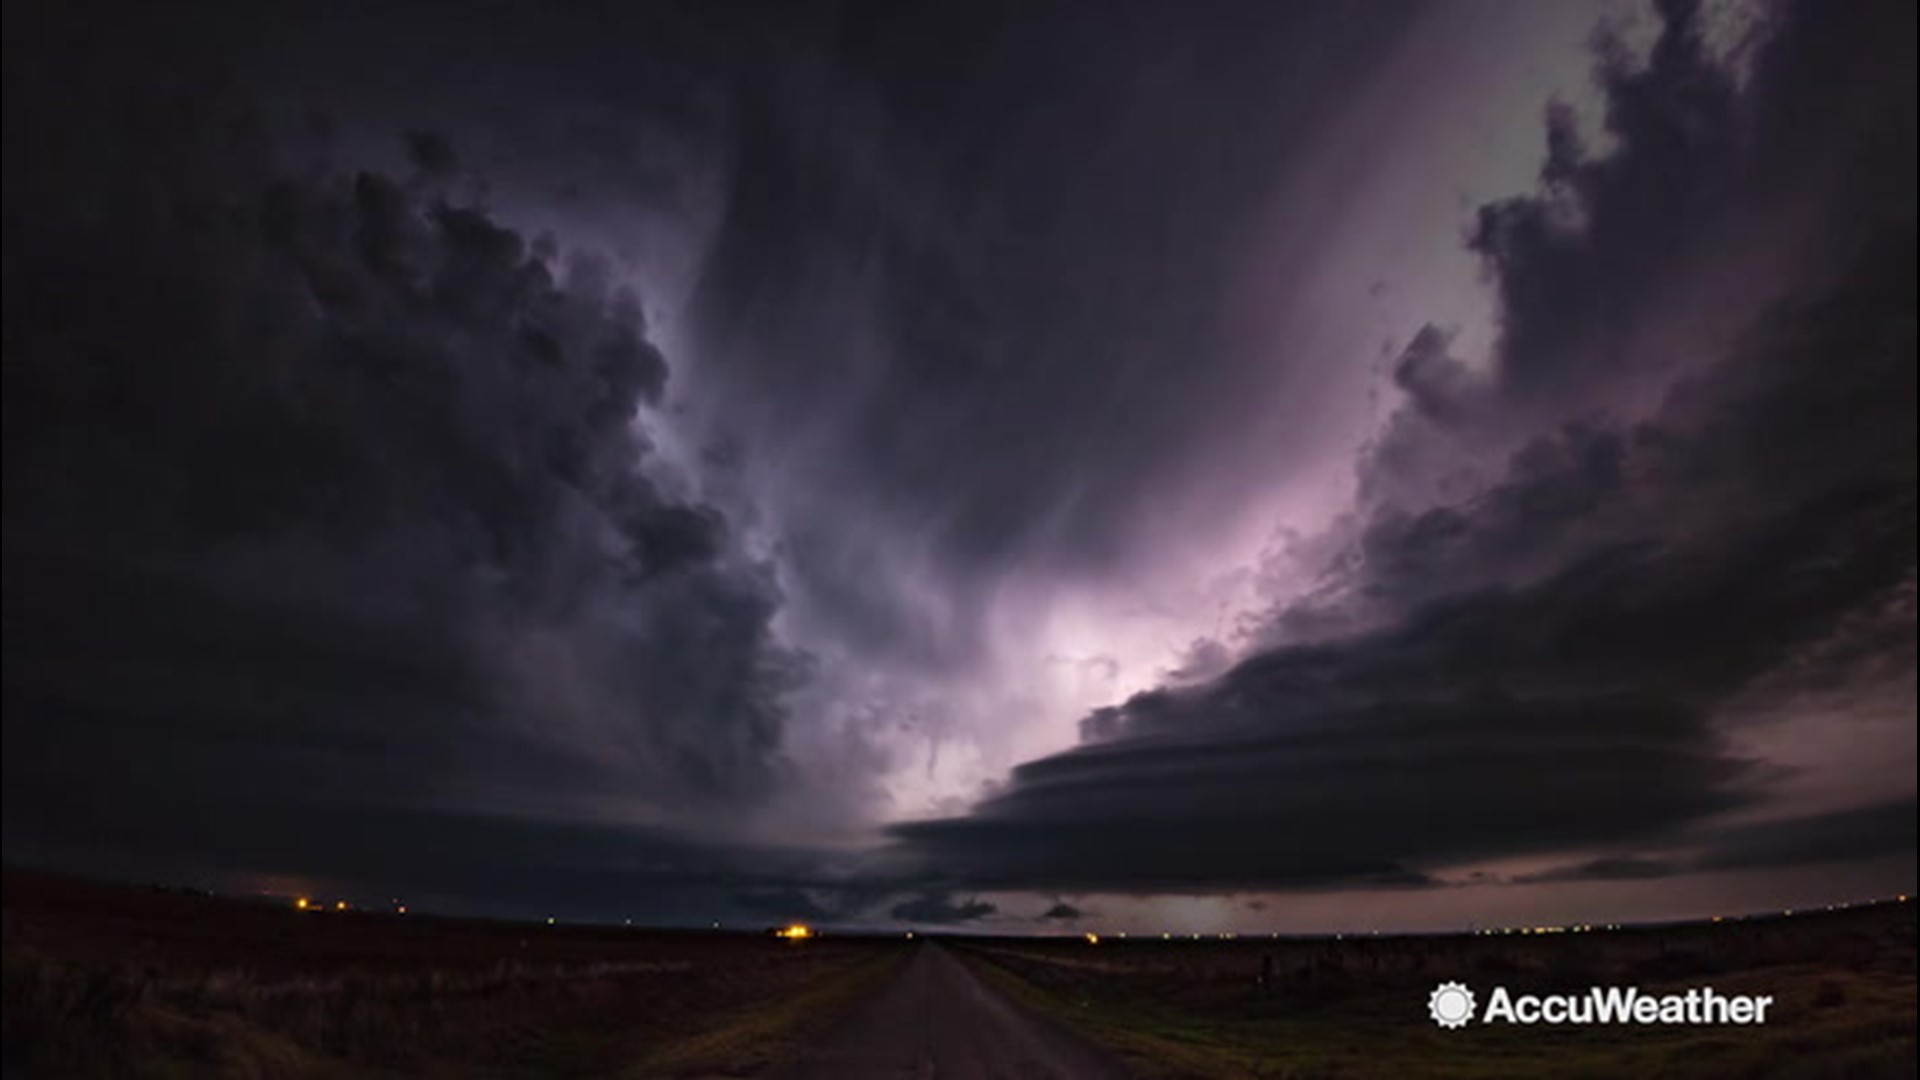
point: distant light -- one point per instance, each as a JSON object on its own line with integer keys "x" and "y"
{"x": 549, "y": 920}
{"x": 402, "y": 909}
{"x": 1092, "y": 938}
{"x": 796, "y": 932}
{"x": 301, "y": 904}
{"x": 909, "y": 935}
{"x": 339, "y": 905}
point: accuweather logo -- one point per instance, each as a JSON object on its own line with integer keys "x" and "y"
{"x": 1453, "y": 1005}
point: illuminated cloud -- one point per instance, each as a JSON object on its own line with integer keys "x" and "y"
{"x": 843, "y": 464}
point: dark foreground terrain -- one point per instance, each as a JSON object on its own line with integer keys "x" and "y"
{"x": 111, "y": 981}
{"x": 116, "y": 981}
{"x": 1843, "y": 984}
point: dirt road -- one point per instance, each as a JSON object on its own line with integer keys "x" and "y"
{"x": 936, "y": 1020}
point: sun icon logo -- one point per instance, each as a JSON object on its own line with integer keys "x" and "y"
{"x": 1451, "y": 1005}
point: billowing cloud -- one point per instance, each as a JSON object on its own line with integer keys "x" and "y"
{"x": 838, "y": 464}
{"x": 327, "y": 491}
{"x": 1544, "y": 661}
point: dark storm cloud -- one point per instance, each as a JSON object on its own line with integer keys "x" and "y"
{"x": 788, "y": 905}
{"x": 941, "y": 909}
{"x": 1613, "y": 868}
{"x": 440, "y": 860}
{"x": 1712, "y": 196}
{"x": 1540, "y": 666}
{"x": 970, "y": 271}
{"x": 1861, "y": 833}
{"x": 325, "y": 494}
{"x": 353, "y": 532}
{"x": 1061, "y": 911}
{"x": 1438, "y": 384}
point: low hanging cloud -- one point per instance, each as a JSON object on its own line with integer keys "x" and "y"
{"x": 1544, "y": 664}
{"x": 941, "y": 909}
{"x": 1870, "y": 832}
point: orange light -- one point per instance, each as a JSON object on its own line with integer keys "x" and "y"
{"x": 339, "y": 905}
{"x": 1093, "y": 938}
{"x": 300, "y": 904}
{"x": 796, "y": 932}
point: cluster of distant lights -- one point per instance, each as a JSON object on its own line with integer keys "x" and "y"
{"x": 1587, "y": 928}
{"x": 1093, "y": 938}
{"x": 801, "y": 932}
{"x": 304, "y": 903}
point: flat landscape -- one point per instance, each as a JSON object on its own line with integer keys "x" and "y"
{"x": 1843, "y": 984}
{"x": 107, "y": 980}
{"x": 117, "y": 981}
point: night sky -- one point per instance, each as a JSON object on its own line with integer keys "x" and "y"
{"x": 1018, "y": 466}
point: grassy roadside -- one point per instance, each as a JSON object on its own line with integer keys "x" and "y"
{"x": 69, "y": 1020}
{"x": 102, "y": 980}
{"x": 750, "y": 1041}
{"x": 1171, "y": 1013}
{"x": 1143, "y": 1042}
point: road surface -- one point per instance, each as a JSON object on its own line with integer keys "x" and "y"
{"x": 934, "y": 1019}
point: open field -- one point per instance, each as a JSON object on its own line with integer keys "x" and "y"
{"x": 118, "y": 981}
{"x": 1843, "y": 982}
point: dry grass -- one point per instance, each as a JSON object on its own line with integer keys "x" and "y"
{"x": 116, "y": 982}
{"x": 1844, "y": 985}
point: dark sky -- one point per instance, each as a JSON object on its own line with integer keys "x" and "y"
{"x": 1276, "y": 466}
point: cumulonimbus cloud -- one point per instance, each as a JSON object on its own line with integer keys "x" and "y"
{"x": 1542, "y": 664}
{"x": 327, "y": 491}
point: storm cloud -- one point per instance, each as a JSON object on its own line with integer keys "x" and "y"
{"x": 874, "y": 466}
{"x": 1545, "y": 663}
{"x": 327, "y": 490}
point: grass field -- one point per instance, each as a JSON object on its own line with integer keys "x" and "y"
{"x": 1843, "y": 983}
{"x": 112, "y": 981}
{"x": 115, "y": 981}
